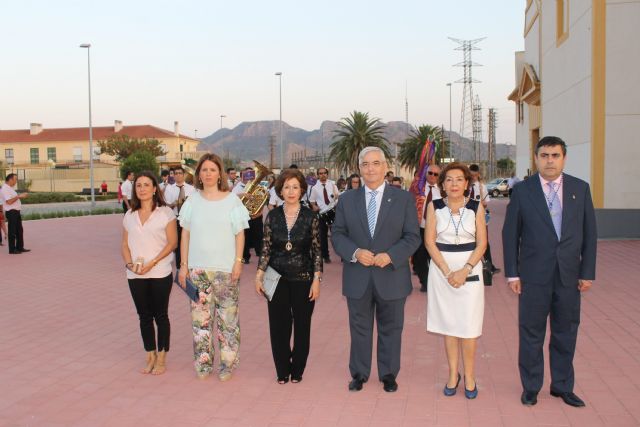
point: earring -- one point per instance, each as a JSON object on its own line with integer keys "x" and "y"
{"x": 154, "y": 193}
{"x": 218, "y": 180}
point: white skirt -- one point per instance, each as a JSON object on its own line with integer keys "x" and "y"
{"x": 457, "y": 312}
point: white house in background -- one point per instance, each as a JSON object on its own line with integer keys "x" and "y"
{"x": 578, "y": 79}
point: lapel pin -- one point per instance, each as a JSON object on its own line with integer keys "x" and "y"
{"x": 389, "y": 200}
{"x": 573, "y": 196}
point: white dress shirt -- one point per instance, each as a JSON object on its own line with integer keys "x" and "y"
{"x": 317, "y": 195}
{"x": 127, "y": 189}
{"x": 367, "y": 192}
{"x": 274, "y": 200}
{"x": 480, "y": 192}
{"x": 435, "y": 195}
{"x": 172, "y": 192}
{"x": 7, "y": 192}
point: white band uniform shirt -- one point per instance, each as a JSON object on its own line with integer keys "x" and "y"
{"x": 7, "y": 192}
{"x": 172, "y": 192}
{"x": 127, "y": 189}
{"x": 317, "y": 195}
{"x": 435, "y": 195}
{"x": 479, "y": 191}
{"x": 147, "y": 240}
{"x": 239, "y": 188}
{"x": 222, "y": 219}
{"x": 274, "y": 199}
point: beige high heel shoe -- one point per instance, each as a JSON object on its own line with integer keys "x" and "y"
{"x": 160, "y": 367}
{"x": 151, "y": 361}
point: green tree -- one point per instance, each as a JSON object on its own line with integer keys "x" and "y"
{"x": 411, "y": 148}
{"x": 505, "y": 164}
{"x": 123, "y": 146}
{"x": 353, "y": 134}
{"x": 138, "y": 162}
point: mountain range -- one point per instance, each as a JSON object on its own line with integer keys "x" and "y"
{"x": 251, "y": 140}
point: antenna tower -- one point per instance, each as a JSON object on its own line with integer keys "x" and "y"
{"x": 477, "y": 128}
{"x": 492, "y": 142}
{"x": 467, "y": 112}
{"x": 272, "y": 151}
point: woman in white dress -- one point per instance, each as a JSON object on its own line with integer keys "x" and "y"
{"x": 455, "y": 236}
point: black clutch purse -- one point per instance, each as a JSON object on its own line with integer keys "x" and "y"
{"x": 191, "y": 290}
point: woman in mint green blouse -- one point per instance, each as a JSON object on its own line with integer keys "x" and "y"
{"x": 213, "y": 222}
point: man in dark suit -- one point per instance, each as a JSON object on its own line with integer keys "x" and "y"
{"x": 549, "y": 238}
{"x": 375, "y": 233}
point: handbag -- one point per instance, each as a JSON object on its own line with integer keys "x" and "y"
{"x": 270, "y": 282}
{"x": 190, "y": 289}
{"x": 487, "y": 274}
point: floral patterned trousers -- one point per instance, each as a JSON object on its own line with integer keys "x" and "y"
{"x": 218, "y": 302}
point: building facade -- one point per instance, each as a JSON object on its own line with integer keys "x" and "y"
{"x": 577, "y": 79}
{"x": 58, "y": 159}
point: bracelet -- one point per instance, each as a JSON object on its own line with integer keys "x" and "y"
{"x": 470, "y": 267}
{"x": 129, "y": 264}
{"x": 183, "y": 264}
{"x": 446, "y": 276}
{"x": 238, "y": 259}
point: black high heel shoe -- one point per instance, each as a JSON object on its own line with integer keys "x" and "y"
{"x": 283, "y": 381}
{"x": 296, "y": 380}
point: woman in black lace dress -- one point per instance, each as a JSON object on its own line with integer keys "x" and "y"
{"x": 291, "y": 246}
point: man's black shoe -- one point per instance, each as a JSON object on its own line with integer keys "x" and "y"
{"x": 356, "y": 384}
{"x": 327, "y": 260}
{"x": 14, "y": 252}
{"x": 389, "y": 383}
{"x": 569, "y": 398}
{"x": 529, "y": 398}
{"x": 24, "y": 250}
{"x": 495, "y": 270}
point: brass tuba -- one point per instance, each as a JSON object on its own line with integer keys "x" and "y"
{"x": 255, "y": 195}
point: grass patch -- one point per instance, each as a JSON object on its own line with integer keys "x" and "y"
{"x": 64, "y": 214}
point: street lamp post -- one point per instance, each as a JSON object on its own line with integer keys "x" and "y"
{"x": 93, "y": 194}
{"x": 279, "y": 74}
{"x": 52, "y": 166}
{"x": 449, "y": 84}
{"x": 222, "y": 116}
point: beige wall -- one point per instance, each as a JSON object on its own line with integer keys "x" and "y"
{"x": 68, "y": 180}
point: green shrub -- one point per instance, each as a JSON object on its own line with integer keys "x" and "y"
{"x": 51, "y": 198}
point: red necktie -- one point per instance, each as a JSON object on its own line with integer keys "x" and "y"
{"x": 326, "y": 195}
{"x": 472, "y": 192}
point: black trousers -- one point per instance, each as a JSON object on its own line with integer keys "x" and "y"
{"x": 561, "y": 303}
{"x": 177, "y": 251}
{"x": 151, "y": 298}
{"x": 290, "y": 307}
{"x": 324, "y": 238}
{"x": 14, "y": 225}
{"x": 389, "y": 316}
{"x": 124, "y": 207}
{"x": 253, "y": 238}
{"x": 421, "y": 261}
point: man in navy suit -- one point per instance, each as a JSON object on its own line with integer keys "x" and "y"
{"x": 549, "y": 239}
{"x": 375, "y": 232}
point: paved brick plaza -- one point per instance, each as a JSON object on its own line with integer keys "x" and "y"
{"x": 70, "y": 350}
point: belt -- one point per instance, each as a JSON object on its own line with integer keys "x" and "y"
{"x": 465, "y": 247}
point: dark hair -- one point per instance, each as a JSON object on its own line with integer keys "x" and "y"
{"x": 164, "y": 173}
{"x": 396, "y": 179}
{"x": 178, "y": 168}
{"x": 8, "y": 178}
{"x": 354, "y": 175}
{"x": 229, "y": 170}
{"x": 158, "y": 199}
{"x": 552, "y": 141}
{"x": 293, "y": 166}
{"x": 341, "y": 182}
{"x": 223, "y": 184}
{"x": 474, "y": 168}
{"x": 127, "y": 173}
{"x": 389, "y": 173}
{"x": 453, "y": 166}
{"x": 286, "y": 175}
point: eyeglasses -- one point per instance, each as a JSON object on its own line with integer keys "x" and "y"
{"x": 178, "y": 173}
{"x": 433, "y": 173}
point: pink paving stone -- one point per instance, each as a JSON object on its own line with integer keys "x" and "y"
{"x": 71, "y": 350}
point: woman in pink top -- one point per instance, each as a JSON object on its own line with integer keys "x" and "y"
{"x": 148, "y": 239}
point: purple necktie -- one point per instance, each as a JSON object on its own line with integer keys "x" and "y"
{"x": 555, "y": 208}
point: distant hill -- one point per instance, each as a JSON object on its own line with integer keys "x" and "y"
{"x": 250, "y": 140}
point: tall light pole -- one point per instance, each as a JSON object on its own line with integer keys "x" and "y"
{"x": 279, "y": 74}
{"x": 195, "y": 134}
{"x": 222, "y": 116}
{"x": 93, "y": 195}
{"x": 449, "y": 84}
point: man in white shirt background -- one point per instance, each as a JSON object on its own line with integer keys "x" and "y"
{"x": 324, "y": 196}
{"x": 252, "y": 235}
{"x": 511, "y": 182}
{"x": 421, "y": 257}
{"x": 175, "y": 195}
{"x": 127, "y": 191}
{"x": 478, "y": 191}
{"x": 11, "y": 205}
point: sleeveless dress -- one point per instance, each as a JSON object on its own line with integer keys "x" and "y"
{"x": 457, "y": 312}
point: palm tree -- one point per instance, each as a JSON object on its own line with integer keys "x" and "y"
{"x": 411, "y": 148}
{"x": 353, "y": 134}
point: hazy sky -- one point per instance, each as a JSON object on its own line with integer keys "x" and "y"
{"x": 153, "y": 62}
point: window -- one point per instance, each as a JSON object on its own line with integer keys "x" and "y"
{"x": 35, "y": 156}
{"x": 163, "y": 158}
{"x": 520, "y": 105}
{"x": 51, "y": 154}
{"x": 96, "y": 153}
{"x": 562, "y": 21}
{"x": 8, "y": 155}
{"x": 77, "y": 154}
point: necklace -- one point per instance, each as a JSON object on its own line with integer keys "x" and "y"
{"x": 456, "y": 227}
{"x": 289, "y": 246}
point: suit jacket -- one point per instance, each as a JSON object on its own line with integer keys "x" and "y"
{"x": 396, "y": 233}
{"x": 531, "y": 247}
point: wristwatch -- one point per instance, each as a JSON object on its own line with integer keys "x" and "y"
{"x": 469, "y": 267}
